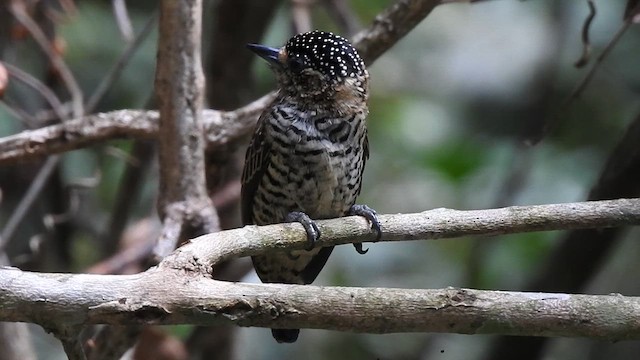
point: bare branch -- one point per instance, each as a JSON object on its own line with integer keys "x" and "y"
{"x": 39, "y": 87}
{"x": 220, "y": 128}
{"x": 78, "y": 133}
{"x": 18, "y": 10}
{"x": 586, "y": 43}
{"x": 180, "y": 289}
{"x": 586, "y": 80}
{"x": 27, "y": 201}
{"x": 16, "y": 111}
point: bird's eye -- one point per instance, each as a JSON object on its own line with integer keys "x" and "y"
{"x": 296, "y": 65}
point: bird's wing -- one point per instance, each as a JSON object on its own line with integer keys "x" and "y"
{"x": 255, "y": 164}
{"x": 365, "y": 147}
{"x": 365, "y": 156}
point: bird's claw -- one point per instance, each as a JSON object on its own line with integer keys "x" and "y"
{"x": 372, "y": 216}
{"x": 313, "y": 232}
{"x": 359, "y": 249}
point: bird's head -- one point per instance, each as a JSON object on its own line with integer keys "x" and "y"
{"x": 318, "y": 66}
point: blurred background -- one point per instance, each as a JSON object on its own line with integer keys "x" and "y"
{"x": 471, "y": 110}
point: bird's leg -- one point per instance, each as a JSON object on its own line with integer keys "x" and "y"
{"x": 313, "y": 233}
{"x": 372, "y": 216}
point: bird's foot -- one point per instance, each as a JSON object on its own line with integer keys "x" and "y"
{"x": 372, "y": 216}
{"x": 313, "y": 233}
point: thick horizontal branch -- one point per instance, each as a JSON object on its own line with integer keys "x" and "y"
{"x": 180, "y": 289}
{"x": 163, "y": 296}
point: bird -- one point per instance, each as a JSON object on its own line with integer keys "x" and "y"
{"x": 307, "y": 155}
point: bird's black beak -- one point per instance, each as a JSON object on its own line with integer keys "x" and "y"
{"x": 268, "y": 53}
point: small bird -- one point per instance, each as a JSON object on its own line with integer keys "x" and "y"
{"x": 308, "y": 152}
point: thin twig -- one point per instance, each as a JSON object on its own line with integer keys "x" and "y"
{"x": 39, "y": 87}
{"x": 577, "y": 91}
{"x": 116, "y": 70}
{"x": 131, "y": 183}
{"x": 582, "y": 84}
{"x": 220, "y": 128}
{"x": 28, "y": 200}
{"x": 586, "y": 44}
{"x": 122, "y": 19}
{"x": 19, "y": 12}
{"x": 16, "y": 111}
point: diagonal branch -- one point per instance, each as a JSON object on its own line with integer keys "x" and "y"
{"x": 180, "y": 289}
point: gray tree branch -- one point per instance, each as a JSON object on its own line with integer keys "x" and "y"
{"x": 184, "y": 204}
{"x": 180, "y": 289}
{"x": 220, "y": 127}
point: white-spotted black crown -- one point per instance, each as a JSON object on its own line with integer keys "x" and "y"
{"x": 325, "y": 52}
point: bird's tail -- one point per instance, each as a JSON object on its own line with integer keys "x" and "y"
{"x": 285, "y": 335}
